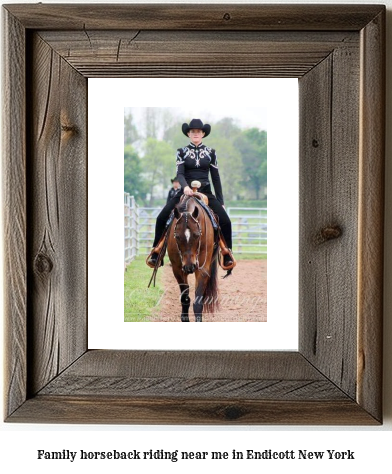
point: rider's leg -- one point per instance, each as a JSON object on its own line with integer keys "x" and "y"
{"x": 224, "y": 219}
{"x": 162, "y": 218}
{"x": 160, "y": 225}
{"x": 225, "y": 225}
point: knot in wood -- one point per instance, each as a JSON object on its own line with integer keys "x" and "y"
{"x": 328, "y": 233}
{"x": 69, "y": 128}
{"x": 232, "y": 412}
{"x": 43, "y": 263}
{"x": 315, "y": 143}
{"x": 227, "y": 16}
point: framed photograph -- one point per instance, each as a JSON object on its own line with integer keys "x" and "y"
{"x": 158, "y": 157}
{"x": 264, "y": 104}
{"x": 53, "y": 375}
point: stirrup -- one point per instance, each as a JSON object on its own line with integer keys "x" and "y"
{"x": 227, "y": 251}
{"x": 157, "y": 250}
{"x": 153, "y": 264}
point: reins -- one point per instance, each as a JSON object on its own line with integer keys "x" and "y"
{"x": 186, "y": 213}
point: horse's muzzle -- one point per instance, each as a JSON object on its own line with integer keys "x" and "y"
{"x": 189, "y": 268}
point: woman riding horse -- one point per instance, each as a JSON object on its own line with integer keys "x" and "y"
{"x": 195, "y": 162}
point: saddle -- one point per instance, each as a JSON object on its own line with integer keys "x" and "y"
{"x": 218, "y": 236}
{"x": 203, "y": 201}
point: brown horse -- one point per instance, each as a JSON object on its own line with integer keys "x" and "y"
{"x": 192, "y": 248}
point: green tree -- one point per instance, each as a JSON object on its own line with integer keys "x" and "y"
{"x": 159, "y": 165}
{"x": 252, "y": 144}
{"x": 150, "y": 122}
{"x": 130, "y": 131}
{"x": 230, "y": 166}
{"x": 134, "y": 183}
{"x": 154, "y": 122}
{"x": 174, "y": 136}
{"x": 227, "y": 128}
{"x": 242, "y": 154}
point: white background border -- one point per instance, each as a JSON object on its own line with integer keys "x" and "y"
{"x": 107, "y": 99}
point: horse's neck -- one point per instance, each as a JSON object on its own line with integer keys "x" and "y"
{"x": 202, "y": 213}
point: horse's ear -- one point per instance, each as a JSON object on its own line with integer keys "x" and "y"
{"x": 195, "y": 212}
{"x": 176, "y": 213}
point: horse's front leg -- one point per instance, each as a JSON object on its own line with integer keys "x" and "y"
{"x": 185, "y": 302}
{"x": 201, "y": 283}
{"x": 182, "y": 281}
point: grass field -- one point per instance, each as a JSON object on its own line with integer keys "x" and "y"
{"x": 248, "y": 256}
{"x": 139, "y": 300}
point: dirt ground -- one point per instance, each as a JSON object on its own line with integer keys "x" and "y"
{"x": 242, "y": 295}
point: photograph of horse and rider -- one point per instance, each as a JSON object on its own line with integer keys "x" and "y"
{"x": 195, "y": 245}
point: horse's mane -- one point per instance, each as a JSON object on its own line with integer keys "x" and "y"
{"x": 182, "y": 206}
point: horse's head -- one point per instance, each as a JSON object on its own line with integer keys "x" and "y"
{"x": 187, "y": 233}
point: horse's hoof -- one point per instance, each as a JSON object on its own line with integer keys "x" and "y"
{"x": 198, "y": 319}
{"x": 184, "y": 320}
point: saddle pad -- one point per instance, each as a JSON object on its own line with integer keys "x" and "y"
{"x": 209, "y": 211}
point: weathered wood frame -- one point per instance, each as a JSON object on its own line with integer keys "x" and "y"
{"x": 337, "y": 52}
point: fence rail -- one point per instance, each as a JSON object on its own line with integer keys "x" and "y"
{"x": 131, "y": 229}
{"x": 249, "y": 229}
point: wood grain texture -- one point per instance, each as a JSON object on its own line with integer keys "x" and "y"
{"x": 193, "y": 17}
{"x": 215, "y": 53}
{"x": 208, "y": 364}
{"x": 192, "y": 387}
{"x": 57, "y": 204}
{"x": 118, "y": 410}
{"x": 329, "y": 135}
{"x": 187, "y": 374}
{"x": 188, "y": 387}
{"x": 14, "y": 212}
{"x": 371, "y": 216}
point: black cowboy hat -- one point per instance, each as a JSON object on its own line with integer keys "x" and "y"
{"x": 175, "y": 179}
{"x": 196, "y": 123}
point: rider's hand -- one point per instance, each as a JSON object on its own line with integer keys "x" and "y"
{"x": 188, "y": 191}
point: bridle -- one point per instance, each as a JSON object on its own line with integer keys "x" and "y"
{"x": 186, "y": 214}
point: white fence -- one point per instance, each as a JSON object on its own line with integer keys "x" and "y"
{"x": 249, "y": 229}
{"x": 131, "y": 229}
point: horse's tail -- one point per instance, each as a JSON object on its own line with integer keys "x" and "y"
{"x": 210, "y": 297}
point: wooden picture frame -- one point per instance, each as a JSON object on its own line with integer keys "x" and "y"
{"x": 337, "y": 52}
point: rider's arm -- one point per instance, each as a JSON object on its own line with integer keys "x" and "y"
{"x": 216, "y": 178}
{"x": 181, "y": 168}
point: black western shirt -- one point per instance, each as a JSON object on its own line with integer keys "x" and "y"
{"x": 194, "y": 162}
